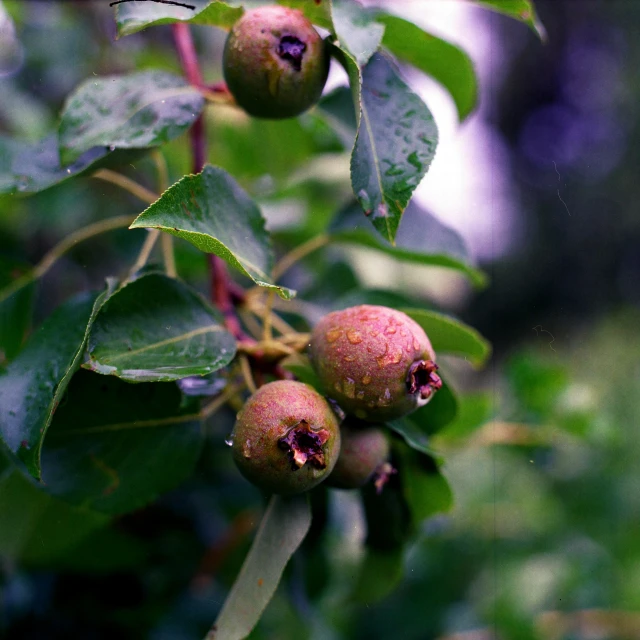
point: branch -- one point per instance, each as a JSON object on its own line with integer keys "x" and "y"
{"x": 56, "y": 252}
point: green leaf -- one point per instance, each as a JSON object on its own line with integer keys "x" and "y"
{"x": 441, "y": 60}
{"x": 379, "y": 574}
{"x": 337, "y": 110}
{"x": 139, "y": 110}
{"x": 417, "y": 427}
{"x": 15, "y": 310}
{"x": 357, "y": 30}
{"x": 474, "y": 410}
{"x": 318, "y": 12}
{"x": 114, "y": 446}
{"x": 438, "y": 413}
{"x": 212, "y": 212}
{"x": 32, "y": 386}
{"x": 425, "y": 489}
{"x": 37, "y": 528}
{"x": 362, "y": 238}
{"x": 158, "y": 329}
{"x": 413, "y": 435}
{"x": 132, "y": 17}
{"x": 282, "y": 530}
{"x": 396, "y": 142}
{"x": 28, "y": 167}
{"x": 449, "y": 335}
{"x": 300, "y": 365}
{"x": 522, "y": 10}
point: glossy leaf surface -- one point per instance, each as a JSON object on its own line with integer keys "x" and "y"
{"x": 441, "y": 60}
{"x": 396, "y": 143}
{"x": 114, "y": 446}
{"x": 216, "y": 215}
{"x": 139, "y": 110}
{"x": 158, "y": 329}
{"x": 357, "y": 29}
{"x": 32, "y": 386}
{"x": 522, "y": 10}
{"x": 450, "y": 335}
{"x": 28, "y": 167}
{"x": 132, "y": 17}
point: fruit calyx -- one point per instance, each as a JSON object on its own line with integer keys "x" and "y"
{"x": 292, "y": 49}
{"x": 303, "y": 444}
{"x": 382, "y": 475}
{"x": 422, "y": 379}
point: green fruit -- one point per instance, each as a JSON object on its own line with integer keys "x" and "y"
{"x": 275, "y": 63}
{"x": 286, "y": 439}
{"x": 376, "y": 362}
{"x": 364, "y": 449}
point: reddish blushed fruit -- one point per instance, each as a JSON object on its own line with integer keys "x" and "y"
{"x": 376, "y": 362}
{"x": 286, "y": 439}
{"x": 364, "y": 450}
{"x": 275, "y": 63}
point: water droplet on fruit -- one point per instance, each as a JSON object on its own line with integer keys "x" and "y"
{"x": 354, "y": 337}
{"x": 333, "y": 335}
{"x": 349, "y": 358}
{"x": 366, "y": 379}
{"x": 349, "y": 388}
{"x": 390, "y": 330}
{"x": 229, "y": 441}
{"x": 246, "y": 449}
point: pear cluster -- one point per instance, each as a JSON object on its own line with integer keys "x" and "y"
{"x": 375, "y": 364}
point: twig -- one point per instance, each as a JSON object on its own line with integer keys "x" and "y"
{"x": 168, "y": 255}
{"x": 295, "y": 255}
{"x": 267, "y": 333}
{"x": 145, "y": 252}
{"x": 189, "y": 61}
{"x": 56, "y": 252}
{"x": 127, "y": 184}
{"x": 245, "y": 367}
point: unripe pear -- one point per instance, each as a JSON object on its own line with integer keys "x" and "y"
{"x": 286, "y": 438}
{"x": 364, "y": 450}
{"x": 275, "y": 63}
{"x": 376, "y": 363}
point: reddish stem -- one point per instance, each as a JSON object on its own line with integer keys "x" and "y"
{"x": 220, "y": 288}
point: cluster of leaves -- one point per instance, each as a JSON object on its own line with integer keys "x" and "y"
{"x": 71, "y": 420}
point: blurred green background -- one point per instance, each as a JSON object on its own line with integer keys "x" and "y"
{"x": 544, "y": 538}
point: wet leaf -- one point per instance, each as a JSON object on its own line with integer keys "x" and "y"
{"x": 28, "y": 167}
{"x": 158, "y": 329}
{"x": 132, "y": 17}
{"x": 282, "y": 530}
{"x": 114, "y": 446}
{"x": 32, "y": 386}
{"x": 441, "y": 60}
{"x": 450, "y": 335}
{"x": 357, "y": 29}
{"x": 139, "y": 110}
{"x": 396, "y": 142}
{"x": 15, "y": 310}
{"x": 212, "y": 212}
{"x": 522, "y": 10}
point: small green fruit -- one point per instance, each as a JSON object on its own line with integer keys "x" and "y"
{"x": 376, "y": 362}
{"x": 364, "y": 450}
{"x": 286, "y": 439}
{"x": 275, "y": 63}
